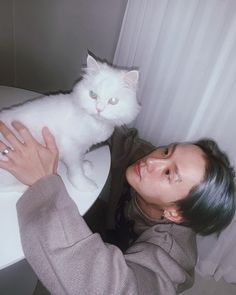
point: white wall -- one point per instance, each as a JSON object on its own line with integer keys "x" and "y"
{"x": 6, "y": 43}
{"x": 52, "y": 38}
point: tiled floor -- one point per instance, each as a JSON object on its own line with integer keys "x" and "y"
{"x": 205, "y": 286}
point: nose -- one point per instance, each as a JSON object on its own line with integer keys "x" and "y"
{"x": 100, "y": 106}
{"x": 99, "y": 110}
{"x": 155, "y": 164}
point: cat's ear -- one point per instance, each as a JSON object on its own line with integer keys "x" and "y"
{"x": 131, "y": 78}
{"x": 92, "y": 65}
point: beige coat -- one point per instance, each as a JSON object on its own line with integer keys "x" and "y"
{"x": 70, "y": 259}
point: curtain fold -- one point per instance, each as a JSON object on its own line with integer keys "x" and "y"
{"x": 186, "y": 53}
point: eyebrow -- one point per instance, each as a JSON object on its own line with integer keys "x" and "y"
{"x": 173, "y": 148}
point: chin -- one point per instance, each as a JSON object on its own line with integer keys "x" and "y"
{"x": 131, "y": 177}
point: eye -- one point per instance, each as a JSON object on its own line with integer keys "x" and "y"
{"x": 113, "y": 100}
{"x": 92, "y": 94}
{"x": 166, "y": 151}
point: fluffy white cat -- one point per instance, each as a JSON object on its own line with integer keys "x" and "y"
{"x": 103, "y": 99}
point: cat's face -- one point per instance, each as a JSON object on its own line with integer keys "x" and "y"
{"x": 109, "y": 94}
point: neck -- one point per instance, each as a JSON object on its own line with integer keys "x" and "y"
{"x": 154, "y": 212}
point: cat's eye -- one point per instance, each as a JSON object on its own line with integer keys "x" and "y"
{"x": 113, "y": 100}
{"x": 92, "y": 94}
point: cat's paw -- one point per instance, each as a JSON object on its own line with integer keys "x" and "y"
{"x": 83, "y": 184}
{"x": 87, "y": 167}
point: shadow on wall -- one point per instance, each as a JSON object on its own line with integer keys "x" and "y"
{"x": 17, "y": 279}
{"x": 47, "y": 41}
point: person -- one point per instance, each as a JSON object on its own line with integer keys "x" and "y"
{"x": 171, "y": 193}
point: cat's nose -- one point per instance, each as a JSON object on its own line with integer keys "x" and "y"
{"x": 99, "y": 110}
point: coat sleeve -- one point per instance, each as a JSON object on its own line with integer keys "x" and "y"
{"x": 69, "y": 259}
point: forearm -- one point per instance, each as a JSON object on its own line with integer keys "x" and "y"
{"x": 47, "y": 204}
{"x": 69, "y": 259}
{"x": 60, "y": 247}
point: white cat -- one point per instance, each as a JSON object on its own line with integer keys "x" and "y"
{"x": 103, "y": 99}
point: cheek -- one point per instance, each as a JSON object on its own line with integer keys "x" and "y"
{"x": 131, "y": 176}
{"x": 154, "y": 192}
{"x": 150, "y": 189}
{"x": 106, "y": 113}
{"x": 183, "y": 191}
{"x": 147, "y": 189}
{"x": 88, "y": 104}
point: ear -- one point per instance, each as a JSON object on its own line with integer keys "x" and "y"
{"x": 92, "y": 65}
{"x": 172, "y": 214}
{"x": 131, "y": 78}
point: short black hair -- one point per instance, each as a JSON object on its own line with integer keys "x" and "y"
{"x": 210, "y": 206}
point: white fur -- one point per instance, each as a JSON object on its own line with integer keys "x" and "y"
{"x": 73, "y": 118}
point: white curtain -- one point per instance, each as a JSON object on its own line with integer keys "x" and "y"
{"x": 186, "y": 53}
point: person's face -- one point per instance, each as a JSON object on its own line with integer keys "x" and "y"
{"x": 167, "y": 174}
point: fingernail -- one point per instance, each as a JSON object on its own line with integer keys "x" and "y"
{"x": 15, "y": 122}
{"x": 46, "y": 129}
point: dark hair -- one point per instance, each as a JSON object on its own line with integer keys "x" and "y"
{"x": 210, "y": 206}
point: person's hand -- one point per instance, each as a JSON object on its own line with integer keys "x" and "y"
{"x": 26, "y": 158}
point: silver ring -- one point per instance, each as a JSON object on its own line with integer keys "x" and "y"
{"x": 6, "y": 151}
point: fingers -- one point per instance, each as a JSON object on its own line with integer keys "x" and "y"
{"x": 5, "y": 165}
{"x": 23, "y": 131}
{"x": 27, "y": 138}
{"x": 10, "y": 136}
{"x": 33, "y": 160}
{"x": 6, "y": 150}
{"x": 49, "y": 140}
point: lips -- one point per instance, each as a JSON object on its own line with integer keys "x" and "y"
{"x": 137, "y": 169}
